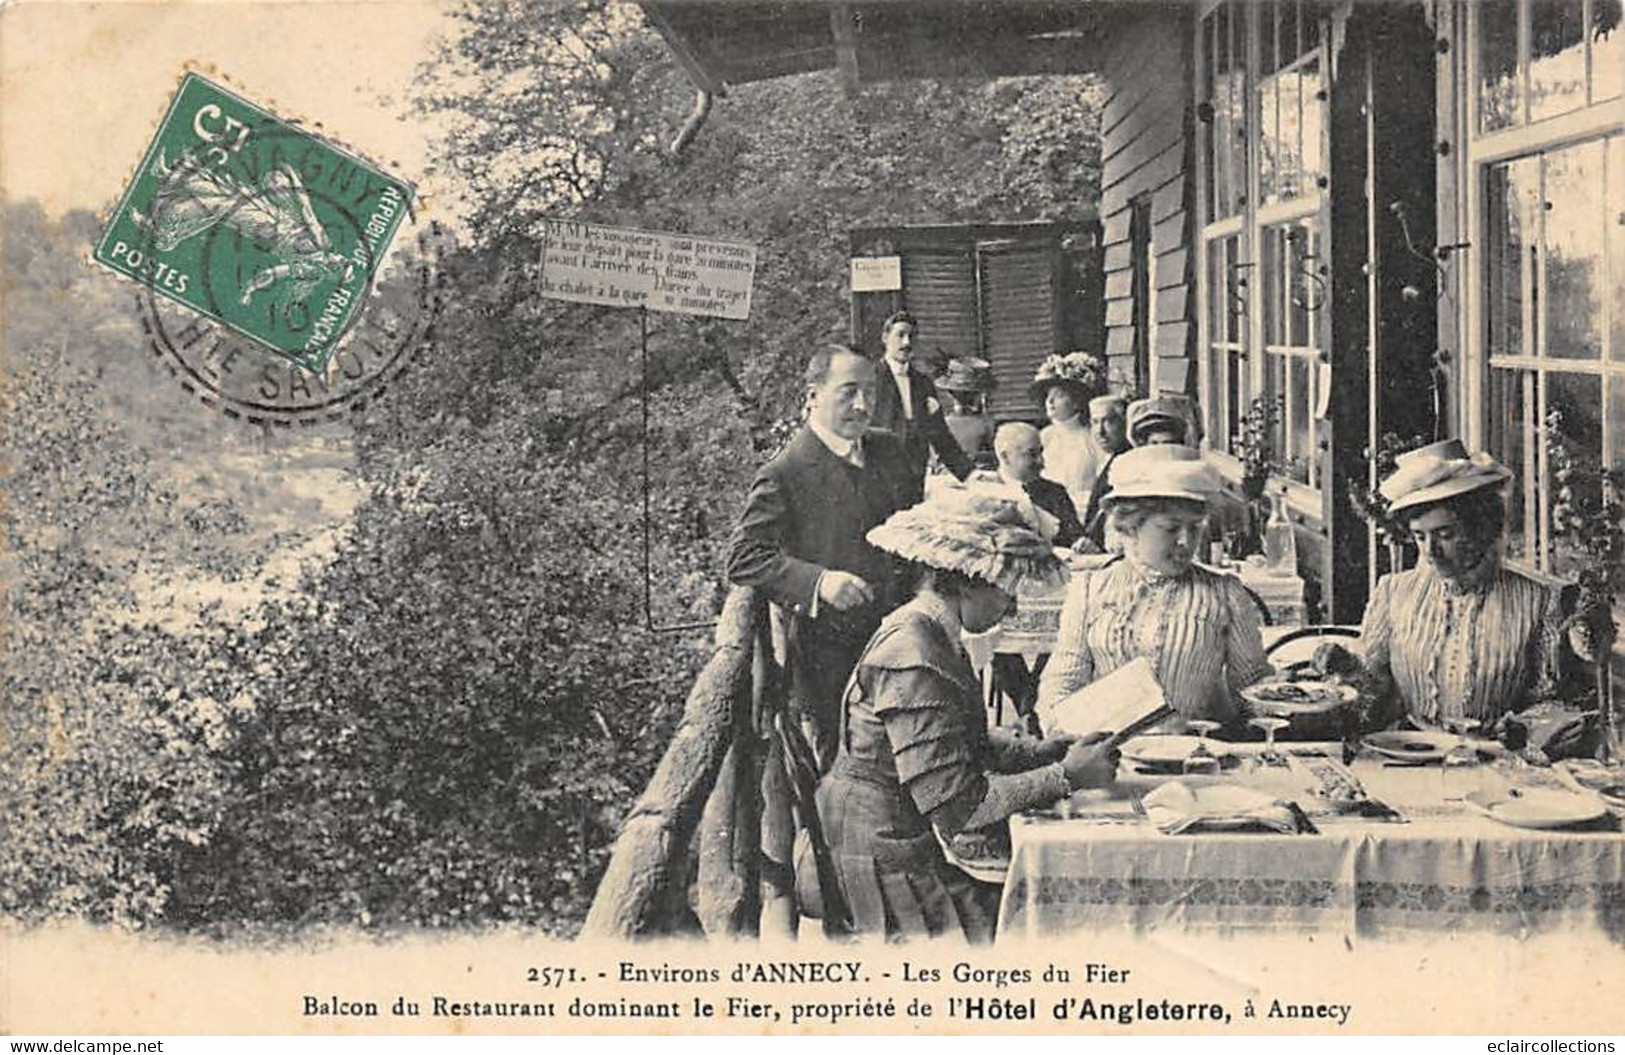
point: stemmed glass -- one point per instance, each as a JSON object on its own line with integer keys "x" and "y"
{"x": 1201, "y": 761}
{"x": 1460, "y": 755}
{"x": 1269, "y": 723}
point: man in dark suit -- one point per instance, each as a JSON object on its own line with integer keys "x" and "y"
{"x": 907, "y": 405}
{"x": 1021, "y": 462}
{"x": 801, "y": 537}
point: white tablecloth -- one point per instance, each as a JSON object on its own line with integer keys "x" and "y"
{"x": 1444, "y": 868}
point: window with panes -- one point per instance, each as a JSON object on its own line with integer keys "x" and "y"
{"x": 1227, "y": 384}
{"x": 1546, "y": 165}
{"x": 1266, "y": 265}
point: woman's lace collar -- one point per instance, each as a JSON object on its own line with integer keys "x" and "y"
{"x": 1150, "y": 576}
{"x": 1479, "y": 578}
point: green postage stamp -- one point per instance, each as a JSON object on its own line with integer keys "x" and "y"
{"x": 256, "y": 223}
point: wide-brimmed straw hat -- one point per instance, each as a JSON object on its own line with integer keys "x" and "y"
{"x": 1145, "y": 415}
{"x": 977, "y": 535}
{"x": 1439, "y": 471}
{"x": 967, "y": 374}
{"x": 1165, "y": 470}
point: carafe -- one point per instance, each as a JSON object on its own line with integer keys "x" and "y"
{"x": 1280, "y": 545}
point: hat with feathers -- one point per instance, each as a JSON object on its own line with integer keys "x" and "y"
{"x": 977, "y": 535}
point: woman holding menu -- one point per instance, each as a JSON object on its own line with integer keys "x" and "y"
{"x": 1199, "y": 629}
{"x": 917, "y": 765}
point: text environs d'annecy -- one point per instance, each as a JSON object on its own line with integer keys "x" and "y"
{"x": 822, "y": 992}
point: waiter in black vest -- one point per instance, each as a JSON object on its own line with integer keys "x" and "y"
{"x": 907, "y": 405}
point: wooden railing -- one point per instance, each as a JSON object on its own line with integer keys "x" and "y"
{"x": 722, "y": 789}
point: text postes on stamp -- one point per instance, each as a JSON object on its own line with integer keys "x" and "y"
{"x": 270, "y": 239}
{"x": 255, "y": 223}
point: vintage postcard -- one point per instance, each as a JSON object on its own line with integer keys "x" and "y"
{"x": 576, "y": 517}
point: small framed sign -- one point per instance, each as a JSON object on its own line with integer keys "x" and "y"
{"x": 877, "y": 274}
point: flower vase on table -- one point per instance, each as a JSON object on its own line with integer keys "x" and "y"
{"x": 1611, "y": 748}
{"x": 1245, "y": 537}
{"x": 1253, "y": 446}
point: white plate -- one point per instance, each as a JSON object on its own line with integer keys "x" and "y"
{"x": 1420, "y": 746}
{"x": 1169, "y": 750}
{"x": 1612, "y": 795}
{"x": 1537, "y": 808}
{"x": 1330, "y": 694}
{"x": 1591, "y": 778}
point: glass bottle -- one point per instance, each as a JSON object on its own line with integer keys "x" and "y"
{"x": 1280, "y": 545}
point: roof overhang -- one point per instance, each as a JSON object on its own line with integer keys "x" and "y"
{"x": 723, "y": 42}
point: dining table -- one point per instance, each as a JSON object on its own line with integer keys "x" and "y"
{"x": 1419, "y": 856}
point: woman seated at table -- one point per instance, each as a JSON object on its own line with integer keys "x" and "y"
{"x": 1458, "y": 638}
{"x": 1199, "y": 628}
{"x": 915, "y": 751}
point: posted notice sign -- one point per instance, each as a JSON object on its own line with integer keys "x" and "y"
{"x": 876, "y": 274}
{"x": 624, "y": 268}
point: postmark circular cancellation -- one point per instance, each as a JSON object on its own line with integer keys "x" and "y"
{"x": 283, "y": 279}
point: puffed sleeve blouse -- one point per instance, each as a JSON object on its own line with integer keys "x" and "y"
{"x": 1475, "y": 649}
{"x": 1200, "y": 630}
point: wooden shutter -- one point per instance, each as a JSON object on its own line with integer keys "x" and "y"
{"x": 940, "y": 292}
{"x": 1018, "y": 320}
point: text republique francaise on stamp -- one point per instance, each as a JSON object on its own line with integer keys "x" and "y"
{"x": 261, "y": 248}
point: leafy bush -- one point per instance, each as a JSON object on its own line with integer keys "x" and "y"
{"x": 445, "y": 723}
{"x": 459, "y": 711}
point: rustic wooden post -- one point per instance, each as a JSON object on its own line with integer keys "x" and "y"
{"x": 652, "y": 846}
{"x": 728, "y": 901}
{"x": 780, "y": 914}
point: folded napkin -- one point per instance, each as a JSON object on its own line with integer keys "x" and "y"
{"x": 1177, "y": 807}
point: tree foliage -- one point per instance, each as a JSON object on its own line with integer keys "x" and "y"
{"x": 447, "y": 720}
{"x": 112, "y": 727}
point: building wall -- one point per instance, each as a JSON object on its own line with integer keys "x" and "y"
{"x": 1010, "y": 293}
{"x": 1146, "y": 157}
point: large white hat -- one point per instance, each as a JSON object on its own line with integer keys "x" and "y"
{"x": 975, "y": 534}
{"x": 1439, "y": 471}
{"x": 1164, "y": 470}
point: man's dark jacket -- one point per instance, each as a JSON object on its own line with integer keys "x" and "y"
{"x": 1052, "y": 498}
{"x": 808, "y": 511}
{"x": 1094, "y": 518}
{"x": 927, "y": 431}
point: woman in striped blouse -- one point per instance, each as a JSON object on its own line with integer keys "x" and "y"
{"x": 1199, "y": 628}
{"x": 1458, "y": 638}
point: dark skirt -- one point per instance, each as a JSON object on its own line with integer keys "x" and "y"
{"x": 893, "y": 873}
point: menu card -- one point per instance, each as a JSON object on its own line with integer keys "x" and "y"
{"x": 1125, "y": 702}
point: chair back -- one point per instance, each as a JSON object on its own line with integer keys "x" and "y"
{"x": 1298, "y": 646}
